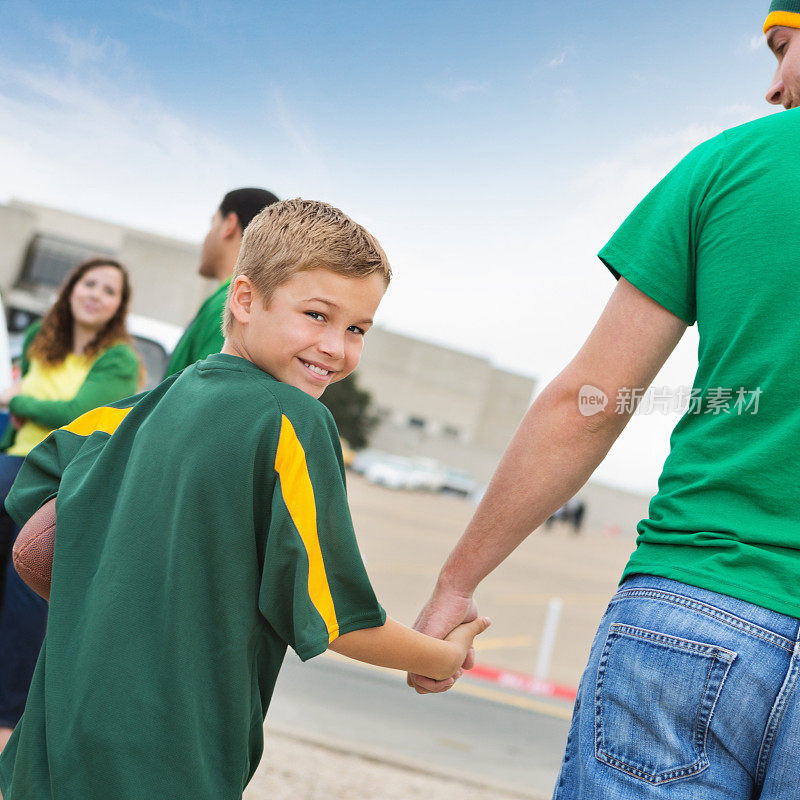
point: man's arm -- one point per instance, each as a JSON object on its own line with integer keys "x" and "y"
{"x": 555, "y": 450}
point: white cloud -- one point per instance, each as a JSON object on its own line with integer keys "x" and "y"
{"x": 85, "y": 49}
{"x": 558, "y": 60}
{"x": 457, "y": 90}
{"x": 757, "y": 42}
{"x": 105, "y": 152}
{"x": 88, "y": 138}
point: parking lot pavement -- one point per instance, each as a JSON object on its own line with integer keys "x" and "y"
{"x": 405, "y": 538}
{"x": 498, "y": 745}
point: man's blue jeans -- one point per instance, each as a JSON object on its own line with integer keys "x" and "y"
{"x": 688, "y": 695}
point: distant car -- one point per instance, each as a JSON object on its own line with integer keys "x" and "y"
{"x": 426, "y": 474}
{"x": 399, "y": 472}
{"x": 6, "y": 374}
{"x": 153, "y": 340}
{"x": 362, "y": 459}
{"x": 457, "y": 481}
{"x": 394, "y": 472}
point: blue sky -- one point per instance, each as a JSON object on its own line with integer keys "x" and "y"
{"x": 491, "y": 147}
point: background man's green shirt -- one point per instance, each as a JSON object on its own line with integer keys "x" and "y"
{"x": 202, "y": 527}
{"x": 203, "y": 336}
{"x": 718, "y": 242}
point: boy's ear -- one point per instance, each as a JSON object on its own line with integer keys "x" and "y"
{"x": 242, "y": 298}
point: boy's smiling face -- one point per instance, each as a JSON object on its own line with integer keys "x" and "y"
{"x": 311, "y": 333}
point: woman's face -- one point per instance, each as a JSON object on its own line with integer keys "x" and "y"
{"x": 96, "y": 297}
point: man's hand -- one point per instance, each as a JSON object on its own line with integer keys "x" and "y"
{"x": 445, "y": 610}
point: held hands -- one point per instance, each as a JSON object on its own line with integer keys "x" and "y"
{"x": 442, "y": 617}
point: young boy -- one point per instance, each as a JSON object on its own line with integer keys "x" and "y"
{"x": 202, "y": 527}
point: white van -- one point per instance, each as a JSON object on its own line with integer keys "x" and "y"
{"x": 5, "y": 353}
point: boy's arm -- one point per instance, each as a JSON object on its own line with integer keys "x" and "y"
{"x": 395, "y": 646}
{"x": 314, "y": 588}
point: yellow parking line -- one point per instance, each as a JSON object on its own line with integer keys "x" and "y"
{"x": 512, "y": 700}
{"x": 533, "y": 599}
{"x": 503, "y": 642}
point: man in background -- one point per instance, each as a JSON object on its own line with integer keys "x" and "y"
{"x": 218, "y": 257}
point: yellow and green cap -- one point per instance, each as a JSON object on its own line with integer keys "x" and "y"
{"x": 783, "y": 12}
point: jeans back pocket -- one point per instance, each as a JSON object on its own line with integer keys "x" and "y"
{"x": 655, "y": 697}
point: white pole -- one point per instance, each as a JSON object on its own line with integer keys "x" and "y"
{"x": 551, "y": 621}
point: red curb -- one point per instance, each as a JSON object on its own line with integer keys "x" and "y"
{"x": 522, "y": 682}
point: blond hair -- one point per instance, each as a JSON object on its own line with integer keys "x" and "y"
{"x": 297, "y": 235}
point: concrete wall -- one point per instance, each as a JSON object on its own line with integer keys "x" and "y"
{"x": 410, "y": 378}
{"x": 441, "y": 403}
{"x": 505, "y": 401}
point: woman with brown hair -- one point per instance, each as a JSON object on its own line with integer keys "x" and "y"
{"x": 77, "y": 358}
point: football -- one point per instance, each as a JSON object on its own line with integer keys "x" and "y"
{"x": 33, "y": 550}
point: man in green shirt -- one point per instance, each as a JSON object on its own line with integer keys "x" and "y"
{"x": 692, "y": 685}
{"x": 218, "y": 257}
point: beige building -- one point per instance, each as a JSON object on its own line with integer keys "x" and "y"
{"x": 440, "y": 403}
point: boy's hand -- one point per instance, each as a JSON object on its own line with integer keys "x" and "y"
{"x": 462, "y": 637}
{"x": 463, "y": 634}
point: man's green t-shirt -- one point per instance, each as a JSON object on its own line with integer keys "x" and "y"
{"x": 718, "y": 242}
{"x": 203, "y": 336}
{"x": 202, "y": 527}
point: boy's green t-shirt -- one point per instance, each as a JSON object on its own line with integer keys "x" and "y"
{"x": 202, "y": 527}
{"x": 718, "y": 242}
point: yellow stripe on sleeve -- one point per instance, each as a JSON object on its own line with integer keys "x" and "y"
{"x": 99, "y": 419}
{"x": 298, "y": 494}
{"x": 789, "y": 19}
